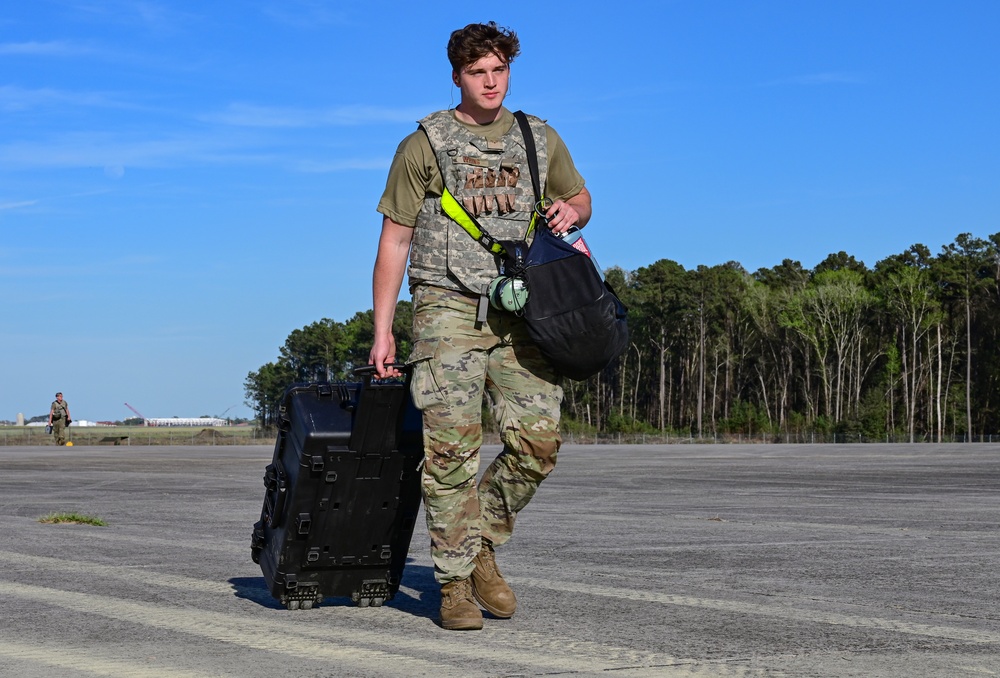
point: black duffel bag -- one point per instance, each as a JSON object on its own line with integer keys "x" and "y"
{"x": 572, "y": 314}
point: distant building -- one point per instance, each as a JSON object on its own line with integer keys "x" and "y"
{"x": 186, "y": 421}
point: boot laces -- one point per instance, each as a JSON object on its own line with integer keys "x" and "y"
{"x": 459, "y": 590}
{"x": 488, "y": 558}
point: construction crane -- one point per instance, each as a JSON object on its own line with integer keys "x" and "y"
{"x": 137, "y": 412}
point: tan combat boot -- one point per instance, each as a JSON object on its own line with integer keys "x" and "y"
{"x": 458, "y": 611}
{"x": 488, "y": 585}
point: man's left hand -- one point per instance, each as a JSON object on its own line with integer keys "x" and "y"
{"x": 561, "y": 216}
{"x": 564, "y": 214}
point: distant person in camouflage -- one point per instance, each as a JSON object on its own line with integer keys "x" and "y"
{"x": 59, "y": 418}
{"x": 464, "y": 349}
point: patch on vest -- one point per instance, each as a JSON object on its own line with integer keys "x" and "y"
{"x": 469, "y": 160}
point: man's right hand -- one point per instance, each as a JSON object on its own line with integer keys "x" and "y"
{"x": 382, "y": 355}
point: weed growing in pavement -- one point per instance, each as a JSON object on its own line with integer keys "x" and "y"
{"x": 75, "y": 518}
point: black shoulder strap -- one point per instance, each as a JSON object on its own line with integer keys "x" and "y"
{"x": 529, "y": 145}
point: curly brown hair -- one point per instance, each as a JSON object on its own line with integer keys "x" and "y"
{"x": 470, "y": 44}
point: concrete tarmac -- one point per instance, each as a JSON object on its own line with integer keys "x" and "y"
{"x": 632, "y": 561}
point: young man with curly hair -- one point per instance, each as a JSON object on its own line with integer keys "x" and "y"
{"x": 464, "y": 349}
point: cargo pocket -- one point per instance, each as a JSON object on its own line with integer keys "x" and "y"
{"x": 425, "y": 387}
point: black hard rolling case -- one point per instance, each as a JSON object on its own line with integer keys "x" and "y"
{"x": 342, "y": 493}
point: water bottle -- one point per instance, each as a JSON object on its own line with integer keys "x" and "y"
{"x": 574, "y": 238}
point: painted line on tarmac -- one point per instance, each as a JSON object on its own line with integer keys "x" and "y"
{"x": 544, "y": 653}
{"x": 131, "y": 575}
{"x": 795, "y": 614}
{"x": 77, "y": 660}
{"x": 181, "y": 544}
{"x": 538, "y": 651}
{"x": 534, "y": 652}
{"x": 229, "y": 629}
{"x": 631, "y": 662}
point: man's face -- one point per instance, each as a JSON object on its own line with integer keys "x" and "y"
{"x": 483, "y": 84}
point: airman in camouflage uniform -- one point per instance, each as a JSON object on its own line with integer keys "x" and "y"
{"x": 59, "y": 418}
{"x": 465, "y": 350}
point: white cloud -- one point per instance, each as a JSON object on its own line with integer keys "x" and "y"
{"x": 107, "y": 150}
{"x": 95, "y": 267}
{"x": 113, "y": 154}
{"x": 305, "y": 13}
{"x": 831, "y": 78}
{"x": 17, "y": 205}
{"x": 20, "y": 99}
{"x": 14, "y": 205}
{"x": 154, "y": 16}
{"x": 322, "y": 167}
{"x": 56, "y": 48}
{"x": 250, "y": 115}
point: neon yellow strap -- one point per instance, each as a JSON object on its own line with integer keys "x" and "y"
{"x": 454, "y": 210}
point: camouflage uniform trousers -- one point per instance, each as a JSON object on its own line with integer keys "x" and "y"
{"x": 455, "y": 364}
{"x": 59, "y": 430}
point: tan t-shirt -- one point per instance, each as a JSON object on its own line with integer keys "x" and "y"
{"x": 414, "y": 173}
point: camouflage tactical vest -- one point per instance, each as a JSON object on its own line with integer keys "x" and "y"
{"x": 59, "y": 409}
{"x": 492, "y": 181}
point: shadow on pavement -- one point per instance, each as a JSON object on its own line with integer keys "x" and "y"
{"x": 412, "y": 598}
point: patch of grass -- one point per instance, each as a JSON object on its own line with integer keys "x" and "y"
{"x": 75, "y": 518}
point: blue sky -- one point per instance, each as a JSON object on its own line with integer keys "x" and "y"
{"x": 182, "y": 184}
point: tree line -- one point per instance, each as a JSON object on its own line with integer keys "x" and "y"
{"x": 908, "y": 348}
